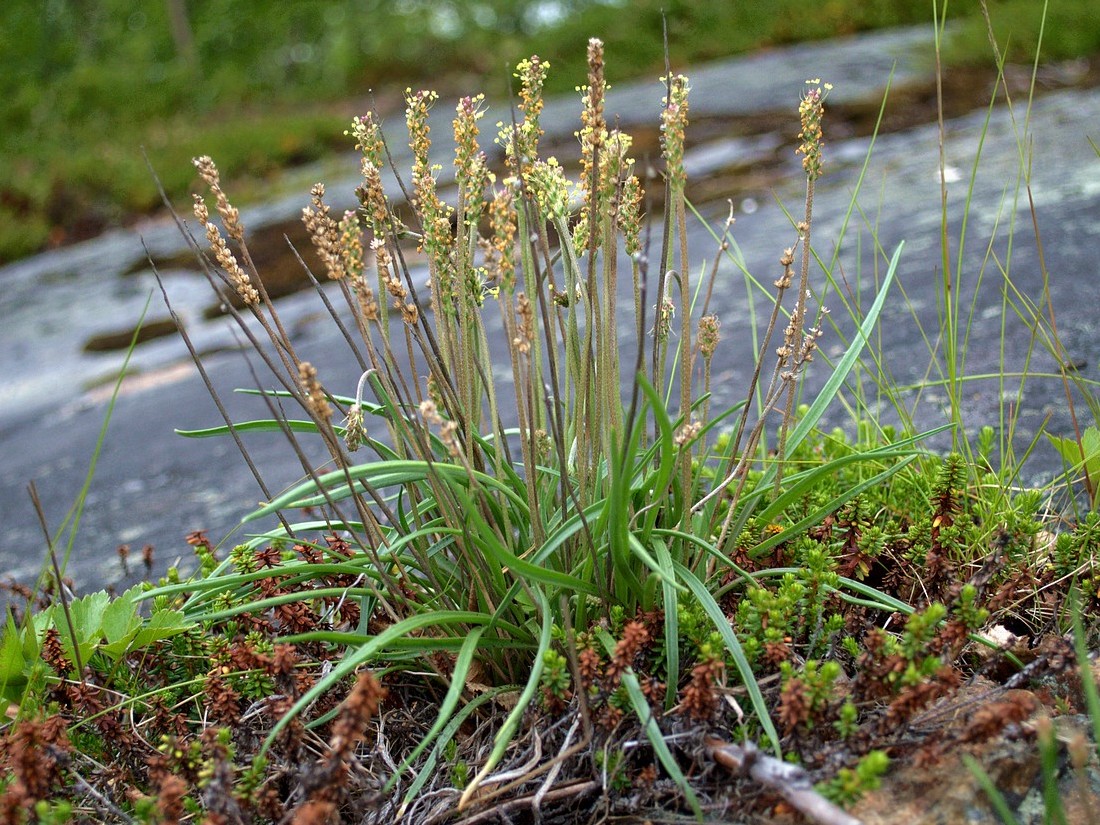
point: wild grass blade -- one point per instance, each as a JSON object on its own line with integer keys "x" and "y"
{"x": 830, "y": 506}
{"x": 992, "y": 792}
{"x": 362, "y": 654}
{"x": 1084, "y": 667}
{"x": 446, "y": 711}
{"x": 744, "y": 669}
{"x": 380, "y": 475}
{"x": 258, "y": 426}
{"x": 71, "y": 522}
{"x": 511, "y": 723}
{"x": 444, "y": 735}
{"x": 653, "y": 733}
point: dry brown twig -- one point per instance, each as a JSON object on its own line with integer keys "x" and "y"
{"x": 575, "y": 790}
{"x": 789, "y": 781}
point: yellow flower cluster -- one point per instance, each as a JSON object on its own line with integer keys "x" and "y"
{"x": 810, "y": 111}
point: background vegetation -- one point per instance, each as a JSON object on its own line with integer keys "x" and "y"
{"x": 83, "y": 86}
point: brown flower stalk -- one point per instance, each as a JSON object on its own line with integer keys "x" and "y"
{"x": 224, "y": 256}
{"x": 810, "y": 111}
{"x": 325, "y": 233}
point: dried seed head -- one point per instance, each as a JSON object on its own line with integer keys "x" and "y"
{"x": 449, "y": 433}
{"x": 786, "y": 260}
{"x": 242, "y": 284}
{"x": 543, "y": 444}
{"x": 409, "y": 313}
{"x": 434, "y": 214}
{"x": 396, "y": 288}
{"x": 324, "y": 232}
{"x": 200, "y": 210}
{"x": 597, "y": 85}
{"x": 382, "y": 258}
{"x": 526, "y": 332}
{"x": 372, "y": 197}
{"x": 448, "y": 430}
{"x": 355, "y": 433}
{"x": 708, "y": 335}
{"x": 500, "y": 257}
{"x": 687, "y": 433}
{"x": 229, "y": 214}
{"x": 207, "y": 170}
{"x": 239, "y": 279}
{"x": 351, "y": 246}
{"x": 593, "y": 132}
{"x": 666, "y": 311}
{"x": 630, "y": 215}
{"x": 315, "y": 398}
{"x": 417, "y": 106}
{"x": 364, "y": 295}
{"x": 433, "y": 391}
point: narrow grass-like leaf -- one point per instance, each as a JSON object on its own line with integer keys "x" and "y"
{"x": 616, "y": 507}
{"x": 996, "y": 798}
{"x": 652, "y": 731}
{"x": 1084, "y": 666}
{"x": 526, "y": 569}
{"x": 830, "y": 506}
{"x": 264, "y": 425}
{"x": 744, "y": 669}
{"x": 797, "y": 485}
{"x": 362, "y": 654}
{"x": 669, "y": 588}
{"x": 382, "y": 474}
{"x": 1054, "y": 812}
{"x": 446, "y": 707}
{"x": 511, "y": 724}
{"x": 72, "y": 517}
{"x": 844, "y": 366}
{"x": 657, "y": 483}
{"x": 656, "y": 567}
{"x": 836, "y": 380}
{"x": 427, "y": 770}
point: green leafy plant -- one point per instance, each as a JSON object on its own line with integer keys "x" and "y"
{"x": 110, "y": 627}
{"x": 1082, "y": 455}
{"x": 850, "y": 784}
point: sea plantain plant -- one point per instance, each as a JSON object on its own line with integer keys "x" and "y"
{"x": 576, "y": 482}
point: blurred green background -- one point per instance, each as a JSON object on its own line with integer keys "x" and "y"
{"x": 264, "y": 86}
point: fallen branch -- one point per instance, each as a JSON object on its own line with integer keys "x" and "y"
{"x": 789, "y": 781}
{"x": 576, "y": 790}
